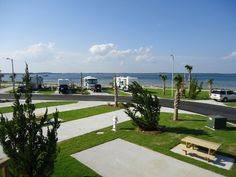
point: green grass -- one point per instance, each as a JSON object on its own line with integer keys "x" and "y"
{"x": 39, "y": 105}
{"x": 85, "y": 112}
{"x": 111, "y": 91}
{"x": 189, "y": 125}
{"x": 47, "y": 92}
{"x": 232, "y": 104}
{"x": 203, "y": 95}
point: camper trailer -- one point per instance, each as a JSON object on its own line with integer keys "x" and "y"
{"x": 124, "y": 82}
{"x": 90, "y": 82}
{"x": 64, "y": 86}
{"x": 36, "y": 82}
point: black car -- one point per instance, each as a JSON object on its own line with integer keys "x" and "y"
{"x": 64, "y": 89}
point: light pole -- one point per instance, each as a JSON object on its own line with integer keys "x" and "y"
{"x": 13, "y": 74}
{"x": 173, "y": 64}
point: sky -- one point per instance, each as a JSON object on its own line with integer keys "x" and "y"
{"x": 118, "y": 35}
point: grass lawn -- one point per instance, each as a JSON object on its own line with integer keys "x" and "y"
{"x": 111, "y": 91}
{"x": 85, "y": 112}
{"x": 233, "y": 104}
{"x": 47, "y": 92}
{"x": 189, "y": 125}
{"x": 39, "y": 105}
{"x": 203, "y": 95}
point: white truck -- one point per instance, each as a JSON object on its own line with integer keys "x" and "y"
{"x": 124, "y": 82}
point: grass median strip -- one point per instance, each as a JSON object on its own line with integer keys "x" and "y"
{"x": 203, "y": 95}
{"x": 189, "y": 125}
{"x": 111, "y": 91}
{"x": 47, "y": 92}
{"x": 232, "y": 104}
{"x": 39, "y": 105}
{"x": 85, "y": 112}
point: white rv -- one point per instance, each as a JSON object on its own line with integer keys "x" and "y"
{"x": 36, "y": 82}
{"x": 90, "y": 82}
{"x": 124, "y": 82}
{"x": 63, "y": 82}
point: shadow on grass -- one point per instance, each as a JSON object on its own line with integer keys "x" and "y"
{"x": 192, "y": 120}
{"x": 184, "y": 130}
{"x": 128, "y": 128}
{"x": 230, "y": 129}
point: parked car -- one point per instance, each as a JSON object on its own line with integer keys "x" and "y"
{"x": 64, "y": 89}
{"x": 223, "y": 95}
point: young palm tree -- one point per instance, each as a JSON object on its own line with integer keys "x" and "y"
{"x": 189, "y": 68}
{"x": 210, "y": 83}
{"x": 163, "y": 77}
{"x": 178, "y": 81}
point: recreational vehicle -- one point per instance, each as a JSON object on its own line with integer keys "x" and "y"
{"x": 90, "y": 82}
{"x": 36, "y": 82}
{"x": 124, "y": 82}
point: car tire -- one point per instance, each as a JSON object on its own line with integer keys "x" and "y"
{"x": 225, "y": 99}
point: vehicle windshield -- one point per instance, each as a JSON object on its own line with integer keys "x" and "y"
{"x": 92, "y": 81}
{"x": 219, "y": 92}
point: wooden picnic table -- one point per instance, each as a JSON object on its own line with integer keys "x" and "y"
{"x": 192, "y": 142}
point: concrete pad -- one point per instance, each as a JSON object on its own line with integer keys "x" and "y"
{"x": 79, "y": 127}
{"x": 121, "y": 158}
{"x": 220, "y": 161}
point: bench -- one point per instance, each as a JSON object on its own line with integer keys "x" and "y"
{"x": 192, "y": 142}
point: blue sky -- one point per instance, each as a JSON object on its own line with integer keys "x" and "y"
{"x": 118, "y": 36}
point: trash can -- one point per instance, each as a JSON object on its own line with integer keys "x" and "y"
{"x": 217, "y": 122}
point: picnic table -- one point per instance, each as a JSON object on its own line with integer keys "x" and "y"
{"x": 192, "y": 143}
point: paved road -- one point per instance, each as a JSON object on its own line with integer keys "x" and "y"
{"x": 200, "y": 108}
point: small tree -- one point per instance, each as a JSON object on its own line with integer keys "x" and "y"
{"x": 178, "y": 81}
{"x": 144, "y": 109}
{"x": 195, "y": 88}
{"x": 189, "y": 68}
{"x": 163, "y": 77}
{"x": 31, "y": 153}
{"x": 210, "y": 84}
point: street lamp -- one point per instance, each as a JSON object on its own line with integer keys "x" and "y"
{"x": 13, "y": 74}
{"x": 173, "y": 64}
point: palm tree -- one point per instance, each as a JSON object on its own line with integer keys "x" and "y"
{"x": 1, "y": 75}
{"x": 115, "y": 93}
{"x": 163, "y": 77}
{"x": 210, "y": 83}
{"x": 178, "y": 81}
{"x": 189, "y": 68}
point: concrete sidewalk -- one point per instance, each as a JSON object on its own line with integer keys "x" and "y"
{"x": 10, "y": 103}
{"x": 121, "y": 158}
{"x": 62, "y": 108}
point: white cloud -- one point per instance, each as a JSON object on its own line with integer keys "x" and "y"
{"x": 231, "y": 56}
{"x": 102, "y": 49}
{"x": 110, "y": 51}
{"x": 37, "y": 52}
